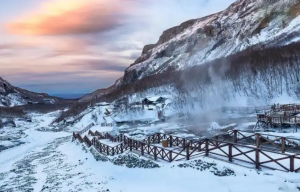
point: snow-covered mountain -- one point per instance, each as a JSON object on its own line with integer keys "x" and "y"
{"x": 246, "y": 24}
{"x": 13, "y": 96}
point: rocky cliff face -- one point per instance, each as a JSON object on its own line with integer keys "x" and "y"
{"x": 246, "y": 23}
{"x": 255, "y": 24}
{"x": 13, "y": 96}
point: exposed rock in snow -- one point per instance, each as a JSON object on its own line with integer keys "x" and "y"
{"x": 245, "y": 25}
{"x": 202, "y": 166}
{"x": 12, "y": 96}
{"x": 201, "y": 40}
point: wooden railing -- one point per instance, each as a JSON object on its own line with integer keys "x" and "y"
{"x": 288, "y": 117}
{"x": 266, "y": 141}
{"x": 247, "y": 110}
{"x": 260, "y": 150}
{"x": 252, "y": 155}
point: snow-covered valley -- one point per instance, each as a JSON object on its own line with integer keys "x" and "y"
{"x": 50, "y": 161}
{"x": 63, "y": 166}
{"x": 212, "y": 106}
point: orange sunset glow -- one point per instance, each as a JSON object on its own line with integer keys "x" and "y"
{"x": 78, "y": 46}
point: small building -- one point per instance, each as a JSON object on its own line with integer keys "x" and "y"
{"x": 154, "y": 100}
{"x": 147, "y": 101}
{"x": 161, "y": 100}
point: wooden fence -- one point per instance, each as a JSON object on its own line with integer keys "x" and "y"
{"x": 253, "y": 156}
{"x": 280, "y": 116}
{"x": 264, "y": 141}
{"x": 77, "y": 134}
{"x": 246, "y": 110}
{"x": 254, "y": 149}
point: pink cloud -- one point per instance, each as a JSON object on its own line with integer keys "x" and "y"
{"x": 73, "y": 17}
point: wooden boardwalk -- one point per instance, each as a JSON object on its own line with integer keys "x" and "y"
{"x": 280, "y": 116}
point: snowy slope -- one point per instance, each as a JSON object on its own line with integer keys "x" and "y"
{"x": 13, "y": 96}
{"x": 57, "y": 164}
{"x": 246, "y": 24}
{"x": 49, "y": 161}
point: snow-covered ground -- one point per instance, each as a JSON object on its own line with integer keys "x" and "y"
{"x": 61, "y": 165}
{"x": 24, "y": 132}
{"x": 49, "y": 161}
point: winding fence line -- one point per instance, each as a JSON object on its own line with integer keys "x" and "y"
{"x": 77, "y": 134}
{"x": 254, "y": 149}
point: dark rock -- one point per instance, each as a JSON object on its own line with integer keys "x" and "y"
{"x": 201, "y": 166}
{"x": 133, "y": 161}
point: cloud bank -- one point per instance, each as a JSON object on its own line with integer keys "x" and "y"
{"x": 74, "y": 17}
{"x": 87, "y": 43}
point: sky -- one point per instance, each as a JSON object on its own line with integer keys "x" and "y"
{"x": 79, "y": 46}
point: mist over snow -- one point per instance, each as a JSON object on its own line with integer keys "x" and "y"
{"x": 193, "y": 112}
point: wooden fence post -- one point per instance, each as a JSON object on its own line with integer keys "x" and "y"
{"x": 136, "y": 145}
{"x": 282, "y": 144}
{"x": 292, "y": 163}
{"x": 217, "y": 140}
{"x": 122, "y": 148}
{"x": 155, "y": 153}
{"x": 100, "y": 147}
{"x": 257, "y": 140}
{"x": 230, "y": 152}
{"x": 206, "y": 147}
{"x": 142, "y": 150}
{"x": 130, "y": 144}
{"x": 183, "y": 143}
{"x": 199, "y": 146}
{"x": 170, "y": 156}
{"x": 171, "y": 141}
{"x": 257, "y": 158}
{"x": 187, "y": 152}
{"x": 113, "y": 151}
{"x": 107, "y": 148}
{"x": 235, "y": 139}
{"x": 158, "y": 136}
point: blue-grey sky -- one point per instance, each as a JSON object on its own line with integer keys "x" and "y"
{"x": 78, "y": 46}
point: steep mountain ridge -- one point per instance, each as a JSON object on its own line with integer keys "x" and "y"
{"x": 246, "y": 24}
{"x": 12, "y": 96}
